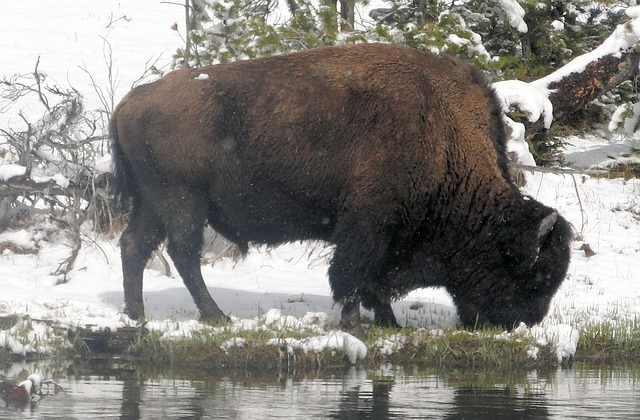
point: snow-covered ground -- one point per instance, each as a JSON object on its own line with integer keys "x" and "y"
{"x": 68, "y": 35}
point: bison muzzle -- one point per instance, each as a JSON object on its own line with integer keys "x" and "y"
{"x": 395, "y": 156}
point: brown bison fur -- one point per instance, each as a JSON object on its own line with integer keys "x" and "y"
{"x": 395, "y": 156}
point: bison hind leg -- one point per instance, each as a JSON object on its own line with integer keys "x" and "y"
{"x": 142, "y": 236}
{"x": 185, "y": 237}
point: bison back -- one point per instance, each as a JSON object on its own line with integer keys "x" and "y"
{"x": 283, "y": 146}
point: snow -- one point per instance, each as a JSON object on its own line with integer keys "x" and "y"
{"x": 527, "y": 98}
{"x": 456, "y": 40}
{"x": 590, "y": 152}
{"x": 286, "y": 287}
{"x": 337, "y": 341}
{"x": 517, "y": 143}
{"x": 515, "y": 12}
{"x": 27, "y": 385}
{"x": 10, "y": 170}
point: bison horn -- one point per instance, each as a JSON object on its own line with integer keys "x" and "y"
{"x": 546, "y": 225}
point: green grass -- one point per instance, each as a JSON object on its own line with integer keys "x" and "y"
{"x": 612, "y": 342}
{"x": 456, "y": 348}
{"x": 447, "y": 349}
{"x": 38, "y": 339}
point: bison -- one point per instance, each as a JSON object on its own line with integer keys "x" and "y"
{"x": 395, "y": 156}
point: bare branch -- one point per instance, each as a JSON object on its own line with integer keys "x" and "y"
{"x": 187, "y": 44}
{"x": 564, "y": 171}
{"x": 37, "y": 75}
{"x": 557, "y": 170}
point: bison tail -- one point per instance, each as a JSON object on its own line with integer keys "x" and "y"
{"x": 123, "y": 187}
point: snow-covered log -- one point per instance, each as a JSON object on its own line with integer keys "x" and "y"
{"x": 559, "y": 95}
{"x": 590, "y": 75}
{"x": 574, "y": 91}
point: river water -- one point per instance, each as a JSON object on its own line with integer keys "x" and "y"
{"x": 390, "y": 392}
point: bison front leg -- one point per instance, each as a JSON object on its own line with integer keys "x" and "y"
{"x": 384, "y": 316}
{"x": 378, "y": 299}
{"x": 141, "y": 237}
{"x": 381, "y": 307}
{"x": 357, "y": 259}
{"x": 350, "y": 317}
{"x": 345, "y": 278}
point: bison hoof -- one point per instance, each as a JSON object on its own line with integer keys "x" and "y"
{"x": 350, "y": 322}
{"x": 387, "y": 323}
{"x": 214, "y": 319}
{"x": 353, "y": 327}
{"x": 135, "y": 312}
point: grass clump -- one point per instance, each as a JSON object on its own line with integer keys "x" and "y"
{"x": 610, "y": 342}
{"x": 257, "y": 346}
{"x": 458, "y": 348}
{"x": 24, "y": 338}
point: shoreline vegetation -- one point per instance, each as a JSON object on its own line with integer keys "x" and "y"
{"x": 223, "y": 349}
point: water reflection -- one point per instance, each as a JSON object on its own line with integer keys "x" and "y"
{"x": 350, "y": 394}
{"x": 357, "y": 403}
{"x": 496, "y": 403}
{"x": 131, "y": 397}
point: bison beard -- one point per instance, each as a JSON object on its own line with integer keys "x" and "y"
{"x": 395, "y": 156}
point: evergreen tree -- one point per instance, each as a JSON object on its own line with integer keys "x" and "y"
{"x": 508, "y": 39}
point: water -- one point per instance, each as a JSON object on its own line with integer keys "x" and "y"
{"x": 349, "y": 394}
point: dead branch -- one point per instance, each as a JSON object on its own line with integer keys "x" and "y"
{"x": 563, "y": 171}
{"x": 574, "y": 92}
{"x": 36, "y": 76}
{"x": 18, "y": 186}
{"x": 557, "y": 170}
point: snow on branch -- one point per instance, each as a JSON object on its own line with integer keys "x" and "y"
{"x": 572, "y": 86}
{"x": 526, "y": 98}
{"x": 624, "y": 38}
{"x": 516, "y": 13}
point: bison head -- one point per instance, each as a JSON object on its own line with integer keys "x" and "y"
{"x": 512, "y": 269}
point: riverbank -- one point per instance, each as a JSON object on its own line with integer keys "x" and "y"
{"x": 278, "y": 346}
